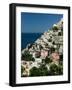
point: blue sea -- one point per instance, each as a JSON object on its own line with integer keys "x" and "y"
{"x": 28, "y": 38}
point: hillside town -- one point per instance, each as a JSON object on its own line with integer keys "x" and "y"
{"x": 44, "y": 57}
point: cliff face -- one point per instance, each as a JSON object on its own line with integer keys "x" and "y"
{"x": 46, "y": 50}
{"x": 50, "y": 39}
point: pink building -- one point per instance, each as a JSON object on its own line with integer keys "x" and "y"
{"x": 55, "y": 57}
{"x": 44, "y": 53}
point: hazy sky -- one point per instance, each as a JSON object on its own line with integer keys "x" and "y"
{"x": 38, "y": 22}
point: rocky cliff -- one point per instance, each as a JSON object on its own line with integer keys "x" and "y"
{"x": 45, "y": 56}
{"x": 52, "y": 38}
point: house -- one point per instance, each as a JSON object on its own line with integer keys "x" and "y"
{"x": 44, "y": 54}
{"x": 55, "y": 57}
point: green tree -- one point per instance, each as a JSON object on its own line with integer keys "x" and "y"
{"x": 34, "y": 71}
{"x": 43, "y": 70}
{"x": 47, "y": 60}
{"x": 56, "y": 69}
{"x": 27, "y": 56}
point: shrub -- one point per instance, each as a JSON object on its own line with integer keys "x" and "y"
{"x": 60, "y": 33}
{"x": 47, "y": 60}
{"x": 53, "y": 43}
{"x": 22, "y": 69}
{"x": 41, "y": 71}
{"x": 55, "y": 28}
